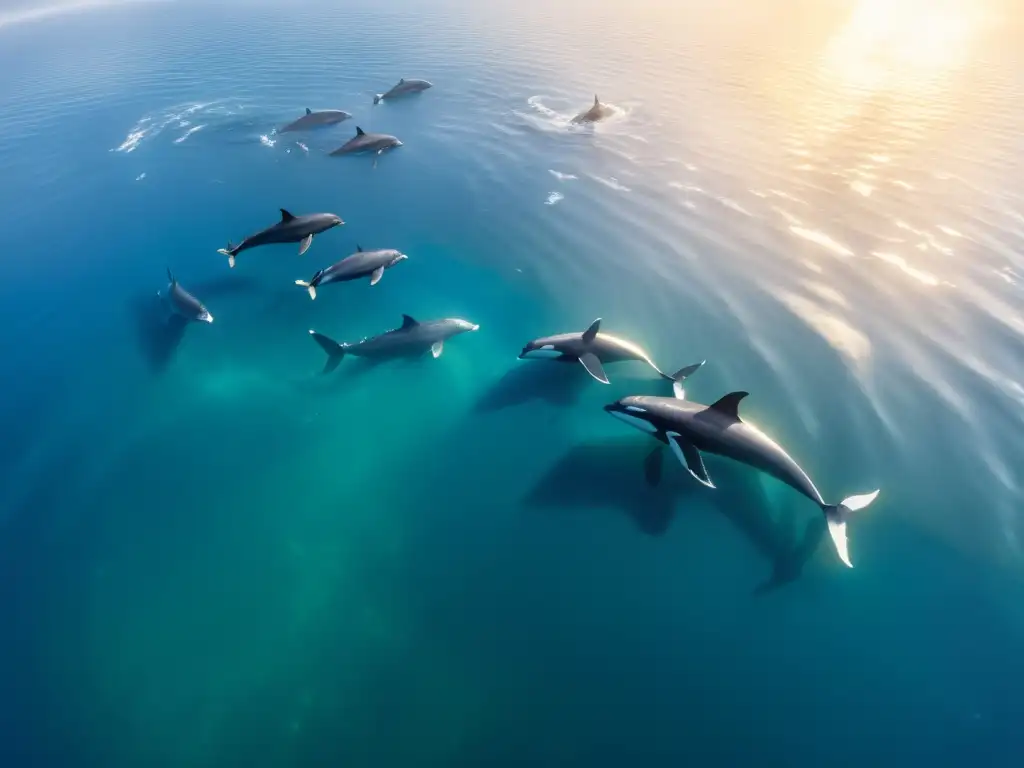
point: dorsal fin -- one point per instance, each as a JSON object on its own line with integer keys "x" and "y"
{"x": 591, "y": 333}
{"x": 170, "y": 277}
{"x": 408, "y": 322}
{"x": 360, "y": 131}
{"x": 729, "y": 405}
{"x": 596, "y": 102}
{"x": 402, "y": 81}
{"x": 359, "y": 248}
{"x": 309, "y": 111}
{"x": 285, "y": 216}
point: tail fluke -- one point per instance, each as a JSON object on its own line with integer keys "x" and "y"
{"x": 309, "y": 287}
{"x": 680, "y": 376}
{"x": 837, "y": 515}
{"x": 230, "y": 252}
{"x": 335, "y": 351}
{"x": 377, "y": 98}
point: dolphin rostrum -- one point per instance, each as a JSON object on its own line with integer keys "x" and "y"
{"x": 596, "y": 112}
{"x": 412, "y": 85}
{"x": 592, "y": 349}
{"x": 360, "y": 264}
{"x": 689, "y": 428}
{"x": 412, "y": 339}
{"x": 317, "y": 119}
{"x": 367, "y": 142}
{"x": 290, "y": 229}
{"x": 183, "y": 303}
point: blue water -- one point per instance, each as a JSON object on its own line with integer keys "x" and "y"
{"x": 212, "y": 555}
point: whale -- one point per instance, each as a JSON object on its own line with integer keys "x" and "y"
{"x": 690, "y": 429}
{"x": 411, "y": 339}
{"x": 402, "y": 87}
{"x": 360, "y": 264}
{"x": 367, "y": 142}
{"x": 597, "y": 111}
{"x": 182, "y": 303}
{"x": 318, "y": 119}
{"x": 290, "y": 229}
{"x": 594, "y": 349}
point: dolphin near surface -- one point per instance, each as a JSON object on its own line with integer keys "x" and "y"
{"x": 595, "y": 113}
{"x": 360, "y": 264}
{"x": 290, "y": 229}
{"x": 593, "y": 349}
{"x": 182, "y": 303}
{"x": 690, "y": 428}
{"x": 403, "y": 87}
{"x": 367, "y": 142}
{"x": 411, "y": 339}
{"x": 318, "y": 119}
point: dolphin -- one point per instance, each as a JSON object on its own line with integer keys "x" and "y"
{"x": 689, "y": 428}
{"x": 360, "y": 264}
{"x": 592, "y": 349}
{"x": 290, "y": 229}
{"x": 412, "y": 339}
{"x": 412, "y": 85}
{"x": 367, "y": 142}
{"x": 318, "y": 119}
{"x": 184, "y": 304}
{"x": 596, "y": 112}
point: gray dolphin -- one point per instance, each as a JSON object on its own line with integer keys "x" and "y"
{"x": 596, "y": 112}
{"x": 592, "y": 349}
{"x": 184, "y": 304}
{"x": 317, "y": 119}
{"x": 367, "y": 142}
{"x": 412, "y": 339}
{"x": 689, "y": 428}
{"x": 290, "y": 229}
{"x": 360, "y": 264}
{"x": 412, "y": 85}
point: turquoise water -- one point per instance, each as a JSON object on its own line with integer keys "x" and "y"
{"x": 211, "y": 555}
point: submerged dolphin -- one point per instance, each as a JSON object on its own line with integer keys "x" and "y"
{"x": 412, "y": 85}
{"x": 316, "y": 119}
{"x": 367, "y": 142}
{"x": 412, "y": 339}
{"x": 360, "y": 264}
{"x": 597, "y": 111}
{"x": 592, "y": 349}
{"x": 689, "y": 428}
{"x": 183, "y": 303}
{"x": 290, "y": 229}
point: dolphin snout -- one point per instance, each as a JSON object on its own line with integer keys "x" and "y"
{"x": 475, "y": 327}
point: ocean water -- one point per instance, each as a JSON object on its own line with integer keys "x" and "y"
{"x": 213, "y": 555}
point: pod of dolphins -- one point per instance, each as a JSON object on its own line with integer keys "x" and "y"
{"x": 687, "y": 428}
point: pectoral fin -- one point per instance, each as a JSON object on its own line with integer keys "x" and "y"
{"x": 375, "y": 277}
{"x": 593, "y": 366}
{"x": 436, "y": 349}
{"x": 689, "y": 457}
{"x": 306, "y": 242}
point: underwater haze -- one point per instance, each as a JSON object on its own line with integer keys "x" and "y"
{"x": 214, "y": 554}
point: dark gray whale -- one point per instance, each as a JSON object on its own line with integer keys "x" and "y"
{"x": 290, "y": 229}
{"x": 411, "y": 339}
{"x": 592, "y": 349}
{"x": 690, "y": 428}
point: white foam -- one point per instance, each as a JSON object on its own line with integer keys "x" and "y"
{"x": 562, "y": 176}
{"x": 188, "y": 133}
{"x": 611, "y": 182}
{"x": 553, "y": 198}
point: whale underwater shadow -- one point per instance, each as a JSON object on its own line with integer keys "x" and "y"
{"x": 159, "y": 333}
{"x": 645, "y": 485}
{"x": 554, "y": 382}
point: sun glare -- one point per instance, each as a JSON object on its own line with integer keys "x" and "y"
{"x": 903, "y": 39}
